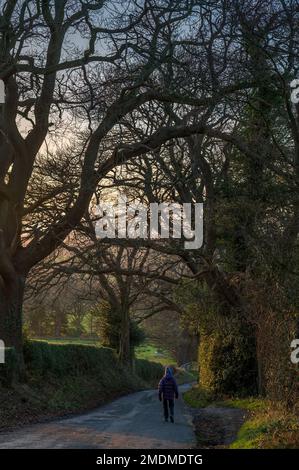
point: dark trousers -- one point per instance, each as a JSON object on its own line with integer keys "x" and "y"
{"x": 168, "y": 404}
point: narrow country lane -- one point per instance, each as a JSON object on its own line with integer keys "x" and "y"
{"x": 133, "y": 421}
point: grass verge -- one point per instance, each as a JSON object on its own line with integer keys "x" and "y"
{"x": 268, "y": 426}
{"x": 197, "y": 397}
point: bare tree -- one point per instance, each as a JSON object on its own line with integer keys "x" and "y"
{"x": 85, "y": 63}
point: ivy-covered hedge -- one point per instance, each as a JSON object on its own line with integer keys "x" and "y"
{"x": 227, "y": 363}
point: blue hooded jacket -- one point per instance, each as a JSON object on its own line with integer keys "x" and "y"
{"x": 168, "y": 388}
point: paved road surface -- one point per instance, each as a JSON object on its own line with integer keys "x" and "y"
{"x": 134, "y": 421}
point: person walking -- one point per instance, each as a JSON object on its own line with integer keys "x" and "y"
{"x": 168, "y": 389}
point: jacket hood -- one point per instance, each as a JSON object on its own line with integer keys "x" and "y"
{"x": 168, "y": 372}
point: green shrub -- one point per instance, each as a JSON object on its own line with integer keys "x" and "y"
{"x": 108, "y": 327}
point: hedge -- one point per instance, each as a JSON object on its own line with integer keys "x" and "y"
{"x": 148, "y": 370}
{"x": 74, "y": 360}
{"x": 227, "y": 363}
{"x": 43, "y": 358}
{"x": 67, "y": 359}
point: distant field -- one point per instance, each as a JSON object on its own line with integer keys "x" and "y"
{"x": 87, "y": 342}
{"x": 152, "y": 353}
{"x": 145, "y": 351}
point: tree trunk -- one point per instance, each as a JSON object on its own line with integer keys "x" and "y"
{"x": 57, "y": 328}
{"x": 125, "y": 353}
{"x": 11, "y": 303}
